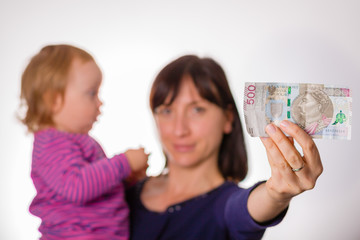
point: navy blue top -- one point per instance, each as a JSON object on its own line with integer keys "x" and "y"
{"x": 219, "y": 214}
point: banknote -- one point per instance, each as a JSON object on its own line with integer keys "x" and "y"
{"x": 323, "y": 111}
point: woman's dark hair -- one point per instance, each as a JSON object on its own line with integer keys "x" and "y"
{"x": 212, "y": 85}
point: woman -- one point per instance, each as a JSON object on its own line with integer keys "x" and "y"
{"x": 202, "y": 139}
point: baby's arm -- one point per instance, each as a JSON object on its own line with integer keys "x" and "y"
{"x": 137, "y": 159}
{"x": 138, "y": 163}
{"x": 60, "y": 164}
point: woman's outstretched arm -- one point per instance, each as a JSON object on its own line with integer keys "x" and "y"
{"x": 291, "y": 173}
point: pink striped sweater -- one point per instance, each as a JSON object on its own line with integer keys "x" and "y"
{"x": 80, "y": 192}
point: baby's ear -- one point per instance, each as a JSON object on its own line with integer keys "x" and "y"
{"x": 53, "y": 101}
{"x": 58, "y": 102}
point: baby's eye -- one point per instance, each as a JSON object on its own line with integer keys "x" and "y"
{"x": 92, "y": 93}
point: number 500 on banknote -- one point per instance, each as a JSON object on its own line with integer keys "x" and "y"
{"x": 323, "y": 111}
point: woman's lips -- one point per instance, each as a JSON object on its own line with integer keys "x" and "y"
{"x": 184, "y": 147}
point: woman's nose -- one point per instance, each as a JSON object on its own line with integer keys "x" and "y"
{"x": 181, "y": 125}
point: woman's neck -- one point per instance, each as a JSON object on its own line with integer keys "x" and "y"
{"x": 193, "y": 181}
{"x": 178, "y": 185}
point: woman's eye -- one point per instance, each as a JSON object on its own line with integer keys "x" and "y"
{"x": 163, "y": 111}
{"x": 198, "y": 109}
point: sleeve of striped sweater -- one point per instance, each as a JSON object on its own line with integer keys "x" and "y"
{"x": 70, "y": 170}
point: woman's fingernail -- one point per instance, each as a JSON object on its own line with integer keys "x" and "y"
{"x": 270, "y": 128}
{"x": 284, "y": 123}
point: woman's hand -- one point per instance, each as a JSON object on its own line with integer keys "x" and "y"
{"x": 291, "y": 173}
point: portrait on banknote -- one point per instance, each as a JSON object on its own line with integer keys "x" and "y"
{"x": 312, "y": 111}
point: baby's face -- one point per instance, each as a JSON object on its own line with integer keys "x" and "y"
{"x": 80, "y": 107}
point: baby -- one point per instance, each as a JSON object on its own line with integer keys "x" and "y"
{"x": 80, "y": 191}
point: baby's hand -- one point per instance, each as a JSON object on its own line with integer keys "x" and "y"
{"x": 137, "y": 159}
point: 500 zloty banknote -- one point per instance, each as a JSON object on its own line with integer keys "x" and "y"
{"x": 323, "y": 111}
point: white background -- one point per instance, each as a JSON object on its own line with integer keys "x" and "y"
{"x": 281, "y": 41}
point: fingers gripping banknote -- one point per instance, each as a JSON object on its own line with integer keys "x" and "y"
{"x": 323, "y": 111}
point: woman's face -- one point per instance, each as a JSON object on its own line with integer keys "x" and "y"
{"x": 191, "y": 128}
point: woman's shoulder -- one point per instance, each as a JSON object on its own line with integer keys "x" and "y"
{"x": 152, "y": 185}
{"x": 147, "y": 185}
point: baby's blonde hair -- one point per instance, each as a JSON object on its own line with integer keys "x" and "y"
{"x": 44, "y": 78}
